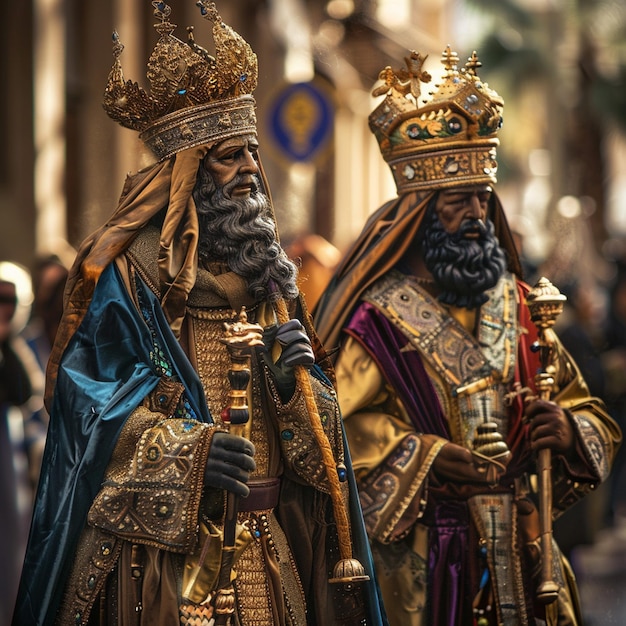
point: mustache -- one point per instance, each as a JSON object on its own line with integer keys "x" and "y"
{"x": 473, "y": 226}
{"x": 241, "y": 232}
{"x": 241, "y": 179}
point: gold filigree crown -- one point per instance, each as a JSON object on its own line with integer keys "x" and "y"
{"x": 194, "y": 97}
{"x": 448, "y": 140}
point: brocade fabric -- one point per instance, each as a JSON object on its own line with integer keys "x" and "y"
{"x": 448, "y": 554}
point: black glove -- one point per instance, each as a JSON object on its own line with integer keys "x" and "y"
{"x": 296, "y": 349}
{"x": 230, "y": 463}
{"x": 296, "y": 345}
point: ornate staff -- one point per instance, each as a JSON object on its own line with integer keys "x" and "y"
{"x": 240, "y": 337}
{"x": 348, "y": 570}
{"x": 545, "y": 303}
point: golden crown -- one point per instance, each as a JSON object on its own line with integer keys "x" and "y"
{"x": 194, "y": 98}
{"x": 446, "y": 141}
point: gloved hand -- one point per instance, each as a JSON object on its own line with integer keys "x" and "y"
{"x": 549, "y": 427}
{"x": 229, "y": 463}
{"x": 296, "y": 345}
{"x": 296, "y": 349}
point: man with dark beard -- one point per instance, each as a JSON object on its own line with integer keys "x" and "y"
{"x": 467, "y": 260}
{"x": 182, "y": 322}
{"x": 435, "y": 364}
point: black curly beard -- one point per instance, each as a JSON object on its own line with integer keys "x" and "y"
{"x": 463, "y": 268}
{"x": 241, "y": 232}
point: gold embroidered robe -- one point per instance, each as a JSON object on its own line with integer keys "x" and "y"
{"x": 470, "y": 374}
{"x": 153, "y": 516}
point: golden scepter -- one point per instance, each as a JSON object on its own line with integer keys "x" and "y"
{"x": 545, "y": 303}
{"x": 239, "y": 337}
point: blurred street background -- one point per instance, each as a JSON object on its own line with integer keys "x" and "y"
{"x": 560, "y": 66}
{"x": 601, "y": 573}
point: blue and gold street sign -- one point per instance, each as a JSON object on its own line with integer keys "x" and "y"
{"x": 300, "y": 120}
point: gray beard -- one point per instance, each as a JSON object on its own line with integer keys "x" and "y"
{"x": 464, "y": 269}
{"x": 242, "y": 233}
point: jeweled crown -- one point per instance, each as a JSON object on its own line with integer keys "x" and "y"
{"x": 194, "y": 97}
{"x": 448, "y": 140}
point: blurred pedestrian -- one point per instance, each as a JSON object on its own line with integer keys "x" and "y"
{"x": 614, "y": 359}
{"x": 49, "y": 277}
{"x": 317, "y": 259}
{"x": 581, "y": 330}
{"x": 20, "y": 378}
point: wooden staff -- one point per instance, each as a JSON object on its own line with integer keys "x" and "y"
{"x": 545, "y": 303}
{"x": 240, "y": 337}
{"x": 348, "y": 570}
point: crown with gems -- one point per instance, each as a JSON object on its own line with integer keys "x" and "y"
{"x": 447, "y": 140}
{"x": 194, "y": 97}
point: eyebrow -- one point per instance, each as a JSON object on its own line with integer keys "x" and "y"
{"x": 466, "y": 192}
{"x": 221, "y": 151}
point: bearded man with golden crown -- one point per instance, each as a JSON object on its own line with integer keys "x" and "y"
{"x": 457, "y": 396}
{"x": 195, "y": 470}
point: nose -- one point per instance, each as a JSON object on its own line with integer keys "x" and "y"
{"x": 249, "y": 165}
{"x": 475, "y": 207}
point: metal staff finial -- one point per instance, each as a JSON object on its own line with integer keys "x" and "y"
{"x": 545, "y": 302}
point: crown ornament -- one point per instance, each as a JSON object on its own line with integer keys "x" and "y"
{"x": 194, "y": 97}
{"x": 448, "y": 139}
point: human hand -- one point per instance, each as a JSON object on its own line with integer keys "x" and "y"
{"x": 296, "y": 349}
{"x": 455, "y": 464}
{"x": 295, "y": 344}
{"x": 229, "y": 463}
{"x": 549, "y": 427}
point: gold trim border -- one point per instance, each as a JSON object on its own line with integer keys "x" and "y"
{"x": 445, "y": 168}
{"x": 194, "y": 126}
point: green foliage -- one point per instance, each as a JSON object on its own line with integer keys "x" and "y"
{"x": 516, "y": 65}
{"x": 519, "y": 48}
{"x": 508, "y": 11}
{"x": 609, "y": 97}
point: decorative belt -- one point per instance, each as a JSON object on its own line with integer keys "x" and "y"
{"x": 263, "y": 496}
